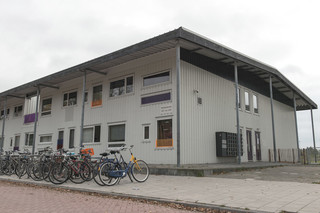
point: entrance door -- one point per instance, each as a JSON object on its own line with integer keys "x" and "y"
{"x": 258, "y": 146}
{"x": 16, "y": 142}
{"x": 60, "y": 140}
{"x": 249, "y": 145}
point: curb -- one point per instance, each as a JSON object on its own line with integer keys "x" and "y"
{"x": 137, "y": 197}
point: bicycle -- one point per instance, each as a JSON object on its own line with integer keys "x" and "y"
{"x": 111, "y": 172}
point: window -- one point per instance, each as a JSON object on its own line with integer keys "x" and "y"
{"x": 29, "y": 139}
{"x": 164, "y": 133}
{"x": 46, "y": 106}
{"x": 117, "y": 133}
{"x": 247, "y": 100}
{"x": 70, "y": 99}
{"x": 85, "y": 96}
{"x": 239, "y": 98}
{"x": 2, "y": 113}
{"x": 45, "y": 138}
{"x": 146, "y": 133}
{"x": 97, "y": 96}
{"x": 71, "y": 139}
{"x": 17, "y": 111}
{"x": 156, "y": 79}
{"x": 121, "y": 87}
{"x": 91, "y": 134}
{"x": 156, "y": 98}
{"x": 255, "y": 104}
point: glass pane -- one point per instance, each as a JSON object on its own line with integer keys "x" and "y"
{"x": 117, "y": 88}
{"x": 97, "y": 130}
{"x": 129, "y": 84}
{"x": 247, "y": 101}
{"x": 72, "y": 99}
{"x": 88, "y": 135}
{"x": 47, "y": 138}
{"x": 17, "y": 140}
{"x": 71, "y": 138}
{"x": 165, "y": 129}
{"x": 117, "y": 133}
{"x": 46, "y": 105}
{"x": 30, "y": 139}
{"x": 65, "y": 99}
{"x": 97, "y": 96}
{"x": 146, "y": 132}
{"x": 156, "y": 79}
{"x": 255, "y": 103}
{"x": 239, "y": 98}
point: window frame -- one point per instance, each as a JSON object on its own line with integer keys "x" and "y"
{"x": 239, "y": 99}
{"x": 165, "y": 140}
{"x": 27, "y": 139}
{"x": 255, "y": 109}
{"x": 116, "y": 143}
{"x": 97, "y": 103}
{"x": 45, "y": 135}
{"x": 245, "y": 100}
{"x": 2, "y": 113}
{"x": 74, "y": 133}
{"x": 68, "y": 99}
{"x": 19, "y": 113}
{"x": 154, "y": 74}
{"x": 94, "y": 127}
{"x": 125, "y": 78}
{"x": 47, "y": 112}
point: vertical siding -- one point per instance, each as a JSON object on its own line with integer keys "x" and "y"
{"x": 199, "y": 123}
{"x": 126, "y": 109}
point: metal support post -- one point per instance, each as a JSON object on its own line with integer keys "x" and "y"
{"x": 3, "y": 123}
{"x": 82, "y": 111}
{"x": 314, "y": 138}
{"x": 36, "y": 120}
{"x": 296, "y": 124}
{"x": 178, "y": 102}
{"x": 272, "y": 117}
{"x": 237, "y": 110}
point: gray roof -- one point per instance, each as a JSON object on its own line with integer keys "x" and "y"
{"x": 187, "y": 40}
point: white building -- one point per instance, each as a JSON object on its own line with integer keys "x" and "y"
{"x": 168, "y": 96}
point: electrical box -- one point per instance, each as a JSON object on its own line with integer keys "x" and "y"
{"x": 226, "y": 144}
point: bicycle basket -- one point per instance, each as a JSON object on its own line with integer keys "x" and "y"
{"x": 88, "y": 151}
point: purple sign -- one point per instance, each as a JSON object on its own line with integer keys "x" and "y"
{"x": 29, "y": 118}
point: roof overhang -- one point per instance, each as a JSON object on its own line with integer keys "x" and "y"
{"x": 187, "y": 40}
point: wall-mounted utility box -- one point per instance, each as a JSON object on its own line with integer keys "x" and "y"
{"x": 226, "y": 144}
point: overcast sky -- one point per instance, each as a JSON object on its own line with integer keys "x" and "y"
{"x": 38, "y": 38}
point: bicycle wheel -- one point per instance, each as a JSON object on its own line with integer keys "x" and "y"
{"x": 96, "y": 176}
{"x": 80, "y": 171}
{"x": 104, "y": 174}
{"x": 20, "y": 169}
{"x": 35, "y": 171}
{"x": 59, "y": 173}
{"x": 140, "y": 171}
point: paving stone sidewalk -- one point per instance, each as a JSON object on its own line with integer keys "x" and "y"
{"x": 246, "y": 194}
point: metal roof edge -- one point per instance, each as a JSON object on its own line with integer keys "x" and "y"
{"x": 237, "y": 56}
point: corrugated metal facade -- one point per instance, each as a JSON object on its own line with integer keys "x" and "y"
{"x": 200, "y": 122}
{"x": 124, "y": 109}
